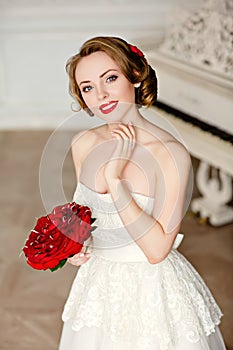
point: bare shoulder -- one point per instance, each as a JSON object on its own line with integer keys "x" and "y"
{"x": 166, "y": 148}
{"x": 81, "y": 144}
{"x": 154, "y": 134}
{"x": 176, "y": 150}
{"x": 83, "y": 136}
{"x": 83, "y": 141}
{"x": 172, "y": 154}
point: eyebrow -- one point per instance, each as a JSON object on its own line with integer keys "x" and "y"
{"x": 101, "y": 76}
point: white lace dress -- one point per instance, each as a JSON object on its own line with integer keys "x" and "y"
{"x": 119, "y": 301}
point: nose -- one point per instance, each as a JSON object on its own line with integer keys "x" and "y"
{"x": 102, "y": 92}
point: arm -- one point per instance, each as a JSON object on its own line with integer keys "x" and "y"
{"x": 77, "y": 150}
{"x": 156, "y": 233}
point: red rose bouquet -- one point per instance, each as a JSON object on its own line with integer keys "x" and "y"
{"x": 58, "y": 236}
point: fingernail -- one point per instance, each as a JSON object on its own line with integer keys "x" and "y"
{"x": 88, "y": 255}
{"x": 81, "y": 255}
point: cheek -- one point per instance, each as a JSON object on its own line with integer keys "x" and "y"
{"x": 88, "y": 99}
{"x": 129, "y": 92}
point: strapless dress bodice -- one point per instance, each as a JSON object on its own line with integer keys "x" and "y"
{"x": 111, "y": 239}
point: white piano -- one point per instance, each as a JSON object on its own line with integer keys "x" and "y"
{"x": 194, "y": 65}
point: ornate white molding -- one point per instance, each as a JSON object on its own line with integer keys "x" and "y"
{"x": 204, "y": 38}
{"x": 216, "y": 193}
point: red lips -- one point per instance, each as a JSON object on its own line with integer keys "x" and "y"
{"x": 108, "y": 107}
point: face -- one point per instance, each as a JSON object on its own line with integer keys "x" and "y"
{"x": 104, "y": 88}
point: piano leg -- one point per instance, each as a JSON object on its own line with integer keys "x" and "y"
{"x": 216, "y": 193}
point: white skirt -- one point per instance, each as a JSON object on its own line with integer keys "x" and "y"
{"x": 93, "y": 338}
{"x": 140, "y": 306}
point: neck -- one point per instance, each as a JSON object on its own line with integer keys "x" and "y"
{"x": 134, "y": 117}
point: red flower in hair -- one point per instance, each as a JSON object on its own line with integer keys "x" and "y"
{"x": 136, "y": 50}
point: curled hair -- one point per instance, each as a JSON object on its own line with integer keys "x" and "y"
{"x": 134, "y": 67}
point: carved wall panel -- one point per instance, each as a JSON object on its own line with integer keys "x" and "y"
{"x": 204, "y": 37}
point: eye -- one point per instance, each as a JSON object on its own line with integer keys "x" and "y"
{"x": 86, "y": 88}
{"x": 111, "y": 78}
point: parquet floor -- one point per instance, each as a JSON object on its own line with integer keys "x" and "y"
{"x": 31, "y": 301}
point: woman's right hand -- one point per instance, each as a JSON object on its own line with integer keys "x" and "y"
{"x": 79, "y": 258}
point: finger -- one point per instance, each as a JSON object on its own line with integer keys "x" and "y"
{"x": 127, "y": 145}
{"x": 128, "y": 135}
{"x": 123, "y": 149}
{"x": 83, "y": 250}
{"x": 76, "y": 257}
{"x": 125, "y": 136}
{"x": 78, "y": 261}
{"x": 126, "y": 129}
{"x": 119, "y": 145}
{"x": 131, "y": 128}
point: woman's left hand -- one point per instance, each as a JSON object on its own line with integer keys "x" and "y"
{"x": 126, "y": 140}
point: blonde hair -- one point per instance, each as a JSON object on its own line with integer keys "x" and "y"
{"x": 133, "y": 66}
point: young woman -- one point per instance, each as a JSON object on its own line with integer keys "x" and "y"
{"x": 134, "y": 290}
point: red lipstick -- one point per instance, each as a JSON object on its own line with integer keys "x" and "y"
{"x": 108, "y": 107}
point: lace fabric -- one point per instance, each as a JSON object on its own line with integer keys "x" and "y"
{"x": 150, "y": 304}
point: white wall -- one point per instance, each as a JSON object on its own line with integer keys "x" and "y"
{"x": 37, "y": 37}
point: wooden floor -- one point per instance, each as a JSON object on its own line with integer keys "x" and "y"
{"x": 31, "y": 301}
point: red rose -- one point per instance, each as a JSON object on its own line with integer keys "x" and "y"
{"x": 136, "y": 50}
{"x": 73, "y": 220}
{"x": 58, "y": 236}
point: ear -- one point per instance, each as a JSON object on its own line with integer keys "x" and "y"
{"x": 137, "y": 85}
